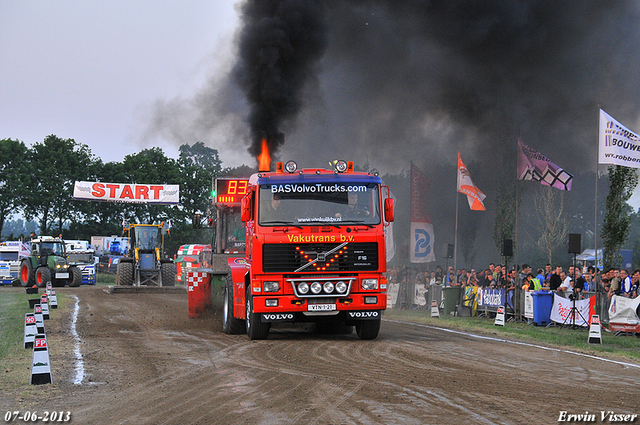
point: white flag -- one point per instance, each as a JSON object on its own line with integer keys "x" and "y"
{"x": 617, "y": 144}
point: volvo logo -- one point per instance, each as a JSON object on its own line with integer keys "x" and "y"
{"x": 277, "y": 316}
{"x": 321, "y": 257}
{"x": 364, "y": 314}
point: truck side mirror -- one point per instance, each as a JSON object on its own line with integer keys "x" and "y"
{"x": 246, "y": 212}
{"x": 389, "y": 210}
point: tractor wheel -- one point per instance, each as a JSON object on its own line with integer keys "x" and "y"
{"x": 256, "y": 329}
{"x": 230, "y": 325}
{"x": 43, "y": 276}
{"x": 27, "y": 276}
{"x": 124, "y": 274}
{"x": 76, "y": 277}
{"x": 368, "y": 329}
{"x": 168, "y": 274}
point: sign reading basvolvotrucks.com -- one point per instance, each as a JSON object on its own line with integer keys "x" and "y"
{"x": 162, "y": 194}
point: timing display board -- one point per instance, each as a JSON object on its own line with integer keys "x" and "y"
{"x": 230, "y": 191}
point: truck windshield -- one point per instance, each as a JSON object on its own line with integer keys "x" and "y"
{"x": 147, "y": 237}
{"x": 319, "y": 203}
{"x": 8, "y": 256}
{"x": 85, "y": 258}
{"x": 52, "y": 248}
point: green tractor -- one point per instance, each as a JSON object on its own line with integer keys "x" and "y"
{"x": 143, "y": 265}
{"x": 47, "y": 262}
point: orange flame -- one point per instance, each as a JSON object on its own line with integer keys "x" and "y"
{"x": 264, "y": 159}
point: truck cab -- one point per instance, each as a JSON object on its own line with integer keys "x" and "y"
{"x": 315, "y": 251}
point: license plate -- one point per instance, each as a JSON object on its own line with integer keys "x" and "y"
{"x": 62, "y": 275}
{"x": 321, "y": 307}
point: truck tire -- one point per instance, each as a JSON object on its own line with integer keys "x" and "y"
{"x": 76, "y": 277}
{"x": 27, "y": 276}
{"x": 230, "y": 325}
{"x": 168, "y": 274}
{"x": 256, "y": 329}
{"x": 124, "y": 274}
{"x": 368, "y": 329}
{"x": 43, "y": 275}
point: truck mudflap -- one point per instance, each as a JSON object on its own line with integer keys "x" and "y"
{"x": 346, "y": 316}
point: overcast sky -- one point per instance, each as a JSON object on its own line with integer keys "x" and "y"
{"x": 121, "y": 76}
{"x": 93, "y": 70}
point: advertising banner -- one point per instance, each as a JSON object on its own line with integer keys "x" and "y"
{"x": 466, "y": 186}
{"x": 160, "y": 194}
{"x": 561, "y": 312}
{"x": 422, "y": 238}
{"x": 532, "y": 165}
{"x": 617, "y": 144}
{"x": 491, "y": 297}
{"x": 623, "y": 314}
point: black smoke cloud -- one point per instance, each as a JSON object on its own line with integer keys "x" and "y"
{"x": 387, "y": 82}
{"x": 279, "y": 44}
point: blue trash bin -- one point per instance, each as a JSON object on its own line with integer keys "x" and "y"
{"x": 542, "y": 304}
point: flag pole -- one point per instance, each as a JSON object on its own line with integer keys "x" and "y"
{"x": 455, "y": 240}
{"x": 595, "y": 220}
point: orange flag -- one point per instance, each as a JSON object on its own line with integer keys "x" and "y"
{"x": 466, "y": 186}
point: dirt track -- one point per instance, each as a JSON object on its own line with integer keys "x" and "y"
{"x": 145, "y": 361}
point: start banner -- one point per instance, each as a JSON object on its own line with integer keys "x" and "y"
{"x": 161, "y": 194}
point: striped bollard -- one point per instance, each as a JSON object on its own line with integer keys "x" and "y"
{"x": 30, "y": 329}
{"x": 40, "y": 367}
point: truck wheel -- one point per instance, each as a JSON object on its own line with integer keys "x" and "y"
{"x": 368, "y": 329}
{"x": 43, "y": 275}
{"x": 230, "y": 325}
{"x": 124, "y": 274}
{"x": 27, "y": 276}
{"x": 255, "y": 328}
{"x": 168, "y": 271}
{"x": 76, "y": 277}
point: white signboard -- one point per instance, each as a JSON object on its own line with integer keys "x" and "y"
{"x": 162, "y": 194}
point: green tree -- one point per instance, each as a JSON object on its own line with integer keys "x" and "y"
{"x": 56, "y": 165}
{"x": 198, "y": 165}
{"x": 553, "y": 225}
{"x": 14, "y": 173}
{"x": 149, "y": 166}
{"x": 617, "y": 219}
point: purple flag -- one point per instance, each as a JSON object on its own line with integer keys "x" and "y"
{"x": 532, "y": 165}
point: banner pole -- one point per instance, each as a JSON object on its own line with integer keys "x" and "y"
{"x": 595, "y": 219}
{"x": 455, "y": 240}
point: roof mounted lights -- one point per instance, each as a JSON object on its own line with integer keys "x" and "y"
{"x": 291, "y": 166}
{"x": 341, "y": 166}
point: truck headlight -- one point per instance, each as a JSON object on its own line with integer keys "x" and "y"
{"x": 316, "y": 287}
{"x": 369, "y": 284}
{"x": 341, "y": 287}
{"x": 303, "y": 288}
{"x": 328, "y": 287}
{"x": 271, "y": 286}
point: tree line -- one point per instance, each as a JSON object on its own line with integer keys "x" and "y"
{"x": 37, "y": 183}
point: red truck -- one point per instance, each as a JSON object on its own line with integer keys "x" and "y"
{"x": 315, "y": 251}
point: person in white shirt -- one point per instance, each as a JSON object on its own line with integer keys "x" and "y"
{"x": 567, "y": 283}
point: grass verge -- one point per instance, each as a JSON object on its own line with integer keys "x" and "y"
{"x": 626, "y": 347}
{"x": 15, "y": 371}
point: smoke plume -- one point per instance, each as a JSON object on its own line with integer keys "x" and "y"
{"x": 279, "y": 44}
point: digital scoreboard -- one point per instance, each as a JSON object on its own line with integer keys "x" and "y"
{"x": 229, "y": 191}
